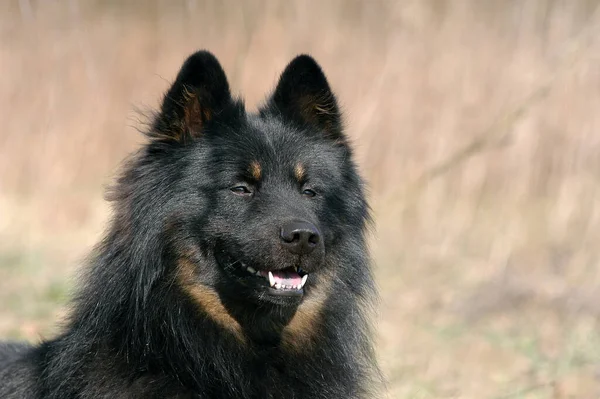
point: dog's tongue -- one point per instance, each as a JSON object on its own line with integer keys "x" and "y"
{"x": 287, "y": 277}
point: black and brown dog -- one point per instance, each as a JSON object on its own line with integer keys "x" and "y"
{"x": 235, "y": 265}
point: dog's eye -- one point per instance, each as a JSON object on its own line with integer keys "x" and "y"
{"x": 309, "y": 193}
{"x": 241, "y": 190}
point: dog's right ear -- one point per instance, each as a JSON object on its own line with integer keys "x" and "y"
{"x": 200, "y": 90}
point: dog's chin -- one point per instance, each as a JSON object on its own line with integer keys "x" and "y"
{"x": 274, "y": 298}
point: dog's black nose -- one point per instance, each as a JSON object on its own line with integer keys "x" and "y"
{"x": 300, "y": 238}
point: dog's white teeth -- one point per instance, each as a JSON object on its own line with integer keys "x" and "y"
{"x": 251, "y": 269}
{"x": 271, "y": 280}
{"x": 258, "y": 273}
{"x": 278, "y": 284}
{"x": 304, "y": 278}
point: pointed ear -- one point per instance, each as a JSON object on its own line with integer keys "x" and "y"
{"x": 304, "y": 96}
{"x": 199, "y": 92}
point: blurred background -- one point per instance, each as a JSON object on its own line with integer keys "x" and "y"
{"x": 476, "y": 125}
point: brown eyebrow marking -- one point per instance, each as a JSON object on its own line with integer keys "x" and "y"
{"x": 299, "y": 172}
{"x": 255, "y": 170}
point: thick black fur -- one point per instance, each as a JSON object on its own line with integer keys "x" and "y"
{"x": 189, "y": 199}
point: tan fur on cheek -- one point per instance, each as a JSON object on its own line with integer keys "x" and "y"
{"x": 207, "y": 299}
{"x": 304, "y": 326}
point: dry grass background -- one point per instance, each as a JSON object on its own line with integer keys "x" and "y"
{"x": 489, "y": 267}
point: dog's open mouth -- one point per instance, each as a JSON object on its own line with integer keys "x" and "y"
{"x": 288, "y": 281}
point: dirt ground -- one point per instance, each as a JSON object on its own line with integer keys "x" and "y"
{"x": 475, "y": 123}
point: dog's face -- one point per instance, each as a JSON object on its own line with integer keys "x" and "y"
{"x": 265, "y": 202}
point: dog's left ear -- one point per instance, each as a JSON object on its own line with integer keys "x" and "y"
{"x": 199, "y": 92}
{"x": 304, "y": 96}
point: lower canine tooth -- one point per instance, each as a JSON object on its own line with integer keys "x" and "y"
{"x": 271, "y": 279}
{"x": 251, "y": 269}
{"x": 303, "y": 280}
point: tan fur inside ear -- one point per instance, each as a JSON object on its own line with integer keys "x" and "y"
{"x": 318, "y": 110}
{"x": 194, "y": 115}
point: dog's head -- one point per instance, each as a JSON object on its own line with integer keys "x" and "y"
{"x": 264, "y": 208}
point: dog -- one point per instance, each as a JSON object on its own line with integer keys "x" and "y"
{"x": 235, "y": 264}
